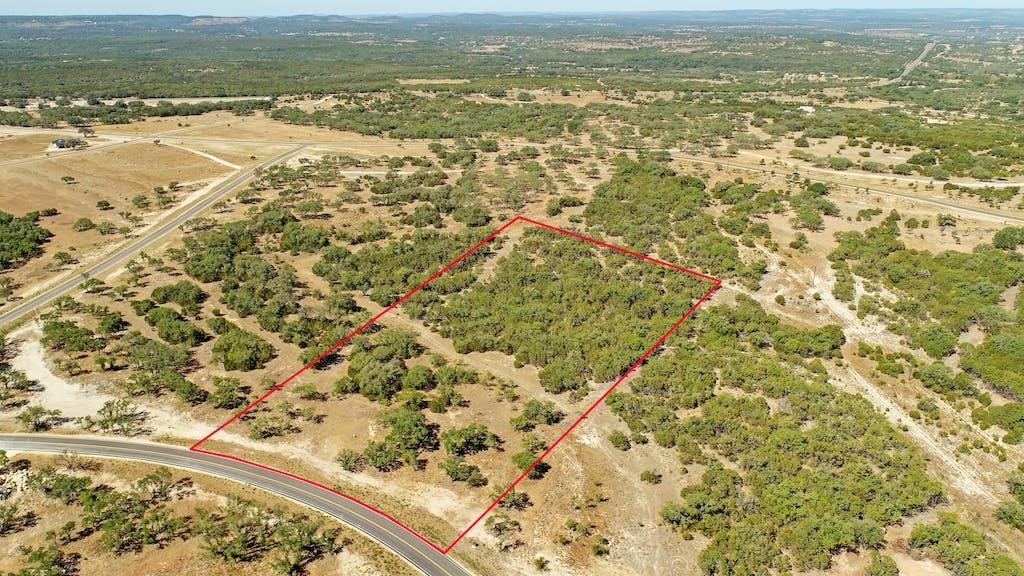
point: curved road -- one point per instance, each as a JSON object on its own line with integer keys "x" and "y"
{"x": 416, "y": 552}
{"x": 112, "y": 261}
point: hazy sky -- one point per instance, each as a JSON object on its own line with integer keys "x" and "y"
{"x": 264, "y": 8}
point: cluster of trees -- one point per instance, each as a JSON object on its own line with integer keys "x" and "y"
{"x": 21, "y": 238}
{"x": 122, "y": 112}
{"x": 1012, "y": 511}
{"x": 536, "y": 413}
{"x": 158, "y": 368}
{"x": 155, "y": 367}
{"x": 578, "y": 312}
{"x": 1009, "y": 238}
{"x": 940, "y": 296}
{"x": 71, "y": 337}
{"x": 462, "y": 442}
{"x": 406, "y": 115}
{"x": 820, "y": 474}
{"x": 432, "y": 198}
{"x": 810, "y": 205}
{"x": 409, "y": 435}
{"x": 171, "y": 327}
{"x": 118, "y": 416}
{"x": 250, "y": 285}
{"x": 944, "y": 380}
{"x": 961, "y": 549}
{"x": 642, "y": 201}
{"x": 257, "y": 287}
{"x": 387, "y": 271}
{"x": 377, "y": 367}
{"x": 979, "y": 148}
{"x": 38, "y": 418}
{"x": 243, "y": 532}
{"x": 1009, "y": 417}
{"x": 997, "y": 361}
{"x": 655, "y": 210}
{"x": 128, "y": 520}
{"x": 952, "y": 288}
{"x": 239, "y": 349}
{"x": 894, "y": 364}
{"x": 292, "y": 181}
{"x": 188, "y": 296}
{"x": 14, "y": 384}
{"x": 379, "y": 371}
{"x": 991, "y": 194}
{"x": 555, "y": 206}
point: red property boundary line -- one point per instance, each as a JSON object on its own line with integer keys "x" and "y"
{"x": 715, "y": 284}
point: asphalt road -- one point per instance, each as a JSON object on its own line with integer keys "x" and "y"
{"x": 978, "y": 211}
{"x": 911, "y": 66}
{"x": 117, "y": 258}
{"x": 420, "y": 555}
{"x": 805, "y": 172}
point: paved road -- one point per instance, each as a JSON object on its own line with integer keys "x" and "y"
{"x": 911, "y": 66}
{"x": 678, "y": 154}
{"x": 803, "y": 170}
{"x": 420, "y": 555}
{"x": 117, "y": 258}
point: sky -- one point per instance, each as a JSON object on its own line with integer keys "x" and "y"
{"x": 279, "y": 8}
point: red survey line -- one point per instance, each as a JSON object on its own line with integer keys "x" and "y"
{"x": 361, "y": 327}
{"x": 348, "y": 497}
{"x": 620, "y": 249}
{"x": 636, "y": 364}
{"x": 583, "y": 416}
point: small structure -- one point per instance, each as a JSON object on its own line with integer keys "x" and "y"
{"x": 69, "y": 143}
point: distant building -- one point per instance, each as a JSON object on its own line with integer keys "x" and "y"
{"x": 69, "y": 143}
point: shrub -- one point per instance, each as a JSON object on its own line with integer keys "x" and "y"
{"x": 83, "y": 224}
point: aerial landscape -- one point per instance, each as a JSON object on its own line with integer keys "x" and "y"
{"x": 447, "y": 292}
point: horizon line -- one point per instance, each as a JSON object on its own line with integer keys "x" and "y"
{"x": 526, "y": 12}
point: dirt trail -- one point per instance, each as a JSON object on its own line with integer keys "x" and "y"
{"x": 208, "y": 156}
{"x": 962, "y": 475}
{"x": 76, "y": 400}
{"x": 878, "y": 335}
{"x": 73, "y": 401}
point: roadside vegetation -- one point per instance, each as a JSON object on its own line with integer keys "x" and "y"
{"x": 75, "y": 518}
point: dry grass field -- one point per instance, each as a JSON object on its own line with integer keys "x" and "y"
{"x": 76, "y": 183}
{"x": 18, "y": 147}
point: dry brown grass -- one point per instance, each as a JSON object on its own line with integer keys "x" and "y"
{"x": 16, "y": 147}
{"x": 114, "y": 174}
